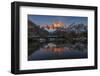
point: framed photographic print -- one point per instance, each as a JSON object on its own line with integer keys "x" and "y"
{"x": 52, "y": 37}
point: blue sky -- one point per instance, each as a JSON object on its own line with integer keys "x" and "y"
{"x": 46, "y": 19}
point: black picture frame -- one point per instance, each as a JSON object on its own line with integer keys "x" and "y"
{"x": 15, "y": 34}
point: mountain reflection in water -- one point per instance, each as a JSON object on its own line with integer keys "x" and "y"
{"x": 56, "y": 50}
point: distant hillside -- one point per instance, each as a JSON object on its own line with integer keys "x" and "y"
{"x": 35, "y": 30}
{"x": 77, "y": 28}
{"x": 73, "y": 31}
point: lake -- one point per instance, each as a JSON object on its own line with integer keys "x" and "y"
{"x": 56, "y": 50}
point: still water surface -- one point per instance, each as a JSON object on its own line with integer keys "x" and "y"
{"x": 56, "y": 50}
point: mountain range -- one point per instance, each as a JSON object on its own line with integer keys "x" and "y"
{"x": 70, "y": 31}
